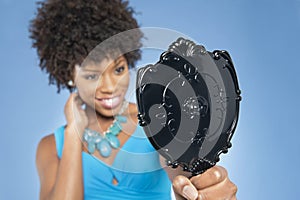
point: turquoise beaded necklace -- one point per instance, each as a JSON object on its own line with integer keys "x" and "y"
{"x": 107, "y": 140}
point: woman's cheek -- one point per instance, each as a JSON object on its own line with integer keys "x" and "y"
{"x": 123, "y": 82}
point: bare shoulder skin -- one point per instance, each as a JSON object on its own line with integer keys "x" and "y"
{"x": 61, "y": 178}
{"x": 47, "y": 164}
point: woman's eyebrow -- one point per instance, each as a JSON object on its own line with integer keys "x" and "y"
{"x": 119, "y": 61}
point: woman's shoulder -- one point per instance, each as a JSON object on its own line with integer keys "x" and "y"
{"x": 46, "y": 152}
{"x": 51, "y": 144}
{"x": 46, "y": 159}
{"x": 46, "y": 145}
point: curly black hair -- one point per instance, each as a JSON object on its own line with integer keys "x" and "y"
{"x": 64, "y": 32}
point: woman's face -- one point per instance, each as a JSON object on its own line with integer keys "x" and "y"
{"x": 103, "y": 85}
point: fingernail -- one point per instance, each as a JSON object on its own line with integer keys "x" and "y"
{"x": 189, "y": 192}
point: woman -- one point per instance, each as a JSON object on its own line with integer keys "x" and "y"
{"x": 97, "y": 154}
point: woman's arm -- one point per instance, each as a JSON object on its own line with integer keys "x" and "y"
{"x": 60, "y": 179}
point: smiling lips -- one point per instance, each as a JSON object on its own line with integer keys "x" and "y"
{"x": 109, "y": 102}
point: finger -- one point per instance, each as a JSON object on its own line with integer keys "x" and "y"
{"x": 233, "y": 198}
{"x": 70, "y": 102}
{"x": 79, "y": 102}
{"x": 71, "y": 97}
{"x": 211, "y": 177}
{"x": 233, "y": 190}
{"x": 183, "y": 186}
{"x": 75, "y": 106}
{"x": 223, "y": 190}
{"x": 78, "y": 98}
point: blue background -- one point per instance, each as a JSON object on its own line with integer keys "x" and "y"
{"x": 262, "y": 37}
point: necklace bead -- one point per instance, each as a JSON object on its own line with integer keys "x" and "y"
{"x": 108, "y": 140}
{"x": 113, "y": 140}
{"x": 104, "y": 148}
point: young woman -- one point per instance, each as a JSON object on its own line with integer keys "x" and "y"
{"x": 101, "y": 152}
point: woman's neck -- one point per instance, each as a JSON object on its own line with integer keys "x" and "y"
{"x": 97, "y": 120}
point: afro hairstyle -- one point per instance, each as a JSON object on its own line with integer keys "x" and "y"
{"x": 64, "y": 32}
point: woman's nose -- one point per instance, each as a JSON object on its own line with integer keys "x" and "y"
{"x": 106, "y": 84}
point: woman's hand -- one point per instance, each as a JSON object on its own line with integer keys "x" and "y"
{"x": 213, "y": 184}
{"x": 75, "y": 115}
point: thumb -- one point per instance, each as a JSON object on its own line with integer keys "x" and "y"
{"x": 182, "y": 186}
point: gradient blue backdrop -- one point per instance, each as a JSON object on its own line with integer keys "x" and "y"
{"x": 262, "y": 37}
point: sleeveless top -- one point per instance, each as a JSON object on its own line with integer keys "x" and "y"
{"x": 136, "y": 168}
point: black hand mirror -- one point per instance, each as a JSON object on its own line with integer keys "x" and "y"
{"x": 189, "y": 104}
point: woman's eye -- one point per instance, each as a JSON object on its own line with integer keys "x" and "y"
{"x": 91, "y": 77}
{"x": 119, "y": 70}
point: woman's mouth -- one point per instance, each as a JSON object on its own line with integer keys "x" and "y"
{"x": 109, "y": 103}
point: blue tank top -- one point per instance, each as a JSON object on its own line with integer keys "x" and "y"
{"x": 136, "y": 168}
